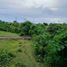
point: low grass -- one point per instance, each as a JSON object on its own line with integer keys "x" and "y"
{"x": 23, "y": 51}
{"x": 7, "y": 34}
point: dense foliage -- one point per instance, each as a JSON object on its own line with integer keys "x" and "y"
{"x": 5, "y": 58}
{"x": 50, "y": 40}
{"x": 15, "y": 27}
{"x": 51, "y": 46}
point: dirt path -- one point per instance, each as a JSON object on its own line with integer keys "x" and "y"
{"x": 14, "y": 38}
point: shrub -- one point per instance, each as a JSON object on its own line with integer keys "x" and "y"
{"x": 20, "y": 65}
{"x": 19, "y": 50}
{"x": 5, "y": 58}
{"x": 40, "y": 43}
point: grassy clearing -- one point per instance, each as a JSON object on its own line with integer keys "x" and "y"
{"x": 5, "y": 34}
{"x": 22, "y": 49}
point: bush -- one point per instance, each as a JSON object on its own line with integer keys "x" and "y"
{"x": 40, "y": 43}
{"x": 19, "y": 50}
{"x": 5, "y": 58}
{"x": 51, "y": 51}
{"x": 20, "y": 65}
{"x": 57, "y": 51}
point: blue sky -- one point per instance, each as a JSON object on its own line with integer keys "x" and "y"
{"x": 34, "y": 10}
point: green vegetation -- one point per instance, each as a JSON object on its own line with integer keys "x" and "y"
{"x": 51, "y": 46}
{"x": 47, "y": 47}
{"x": 16, "y": 53}
{"x": 8, "y": 34}
{"x": 22, "y": 52}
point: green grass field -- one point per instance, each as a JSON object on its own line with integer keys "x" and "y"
{"x": 22, "y": 49}
{"x": 5, "y": 34}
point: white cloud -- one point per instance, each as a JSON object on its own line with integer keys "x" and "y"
{"x": 29, "y": 3}
{"x": 36, "y": 8}
{"x": 40, "y": 3}
{"x": 24, "y": 5}
{"x": 54, "y": 9}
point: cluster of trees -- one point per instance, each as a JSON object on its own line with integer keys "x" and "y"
{"x": 9, "y": 27}
{"x": 25, "y": 28}
{"x": 50, "y": 40}
{"x": 51, "y": 46}
{"x": 15, "y": 27}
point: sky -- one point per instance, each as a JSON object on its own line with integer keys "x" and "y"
{"x": 34, "y": 10}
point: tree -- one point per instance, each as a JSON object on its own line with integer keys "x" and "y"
{"x": 25, "y": 28}
{"x": 53, "y": 29}
{"x": 37, "y": 29}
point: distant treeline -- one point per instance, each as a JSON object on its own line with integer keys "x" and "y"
{"x": 29, "y": 28}
{"x": 49, "y": 40}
